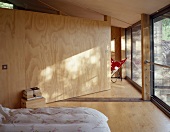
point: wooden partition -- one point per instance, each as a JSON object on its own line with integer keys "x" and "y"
{"x": 64, "y": 56}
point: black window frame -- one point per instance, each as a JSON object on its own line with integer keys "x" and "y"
{"x": 158, "y": 102}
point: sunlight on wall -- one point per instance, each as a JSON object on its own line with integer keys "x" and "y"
{"x": 89, "y": 84}
{"x": 53, "y": 95}
{"x": 122, "y": 43}
{"x": 77, "y": 65}
{"x": 92, "y": 82}
{"x": 73, "y": 64}
{"x": 93, "y": 59}
{"x": 46, "y": 95}
{"x": 81, "y": 70}
{"x": 48, "y": 72}
{"x": 113, "y": 45}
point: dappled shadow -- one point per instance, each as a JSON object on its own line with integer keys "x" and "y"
{"x": 77, "y": 75}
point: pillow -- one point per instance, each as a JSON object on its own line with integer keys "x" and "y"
{"x": 3, "y": 112}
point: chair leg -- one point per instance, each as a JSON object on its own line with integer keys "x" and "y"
{"x": 119, "y": 75}
{"x": 113, "y": 79}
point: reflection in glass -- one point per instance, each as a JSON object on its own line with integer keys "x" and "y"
{"x": 128, "y": 52}
{"x": 6, "y": 5}
{"x": 162, "y": 83}
{"x": 136, "y": 63}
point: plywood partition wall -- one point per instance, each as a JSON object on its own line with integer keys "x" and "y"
{"x": 64, "y": 56}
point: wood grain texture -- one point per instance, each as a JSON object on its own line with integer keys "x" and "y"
{"x": 16, "y": 70}
{"x": 35, "y": 103}
{"x": 12, "y": 80}
{"x": 6, "y": 34}
{"x": 145, "y": 28}
{"x": 64, "y": 56}
{"x": 124, "y": 116}
{"x": 120, "y": 89}
{"x": 39, "y": 55}
{"x": 68, "y": 65}
{"x": 127, "y": 116}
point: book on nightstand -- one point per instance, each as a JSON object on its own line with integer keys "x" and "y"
{"x": 37, "y": 97}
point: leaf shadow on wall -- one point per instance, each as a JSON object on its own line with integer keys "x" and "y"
{"x": 74, "y": 76}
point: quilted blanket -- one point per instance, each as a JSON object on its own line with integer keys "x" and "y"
{"x": 58, "y": 119}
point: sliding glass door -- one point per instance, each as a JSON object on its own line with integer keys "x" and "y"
{"x": 161, "y": 57}
{"x": 133, "y": 54}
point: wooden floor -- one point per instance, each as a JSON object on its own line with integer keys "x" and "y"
{"x": 120, "y": 89}
{"x": 125, "y": 116}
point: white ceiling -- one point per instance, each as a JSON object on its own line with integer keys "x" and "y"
{"x": 124, "y": 13}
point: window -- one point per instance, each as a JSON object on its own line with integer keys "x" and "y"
{"x": 133, "y": 54}
{"x": 161, "y": 55}
{"x": 6, "y": 5}
{"x": 128, "y": 52}
{"x": 136, "y": 51}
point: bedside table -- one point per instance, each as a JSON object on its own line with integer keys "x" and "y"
{"x": 34, "y": 103}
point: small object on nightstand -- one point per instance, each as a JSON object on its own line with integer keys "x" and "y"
{"x": 32, "y": 93}
{"x": 32, "y": 98}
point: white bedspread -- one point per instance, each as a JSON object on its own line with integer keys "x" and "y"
{"x": 60, "y": 119}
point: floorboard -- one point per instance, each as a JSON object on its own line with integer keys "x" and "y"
{"x": 124, "y": 113}
{"x": 120, "y": 89}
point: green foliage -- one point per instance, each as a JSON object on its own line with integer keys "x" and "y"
{"x": 6, "y": 5}
{"x": 166, "y": 29}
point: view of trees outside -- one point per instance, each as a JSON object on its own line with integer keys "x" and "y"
{"x": 162, "y": 56}
{"x": 136, "y": 60}
{"x": 128, "y": 53}
{"x": 6, "y": 5}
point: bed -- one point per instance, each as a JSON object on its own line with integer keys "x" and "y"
{"x": 58, "y": 119}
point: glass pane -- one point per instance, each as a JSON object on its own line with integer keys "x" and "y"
{"x": 162, "y": 41}
{"x": 162, "y": 83}
{"x": 6, "y": 5}
{"x": 128, "y": 52}
{"x": 136, "y": 63}
{"x": 162, "y": 56}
